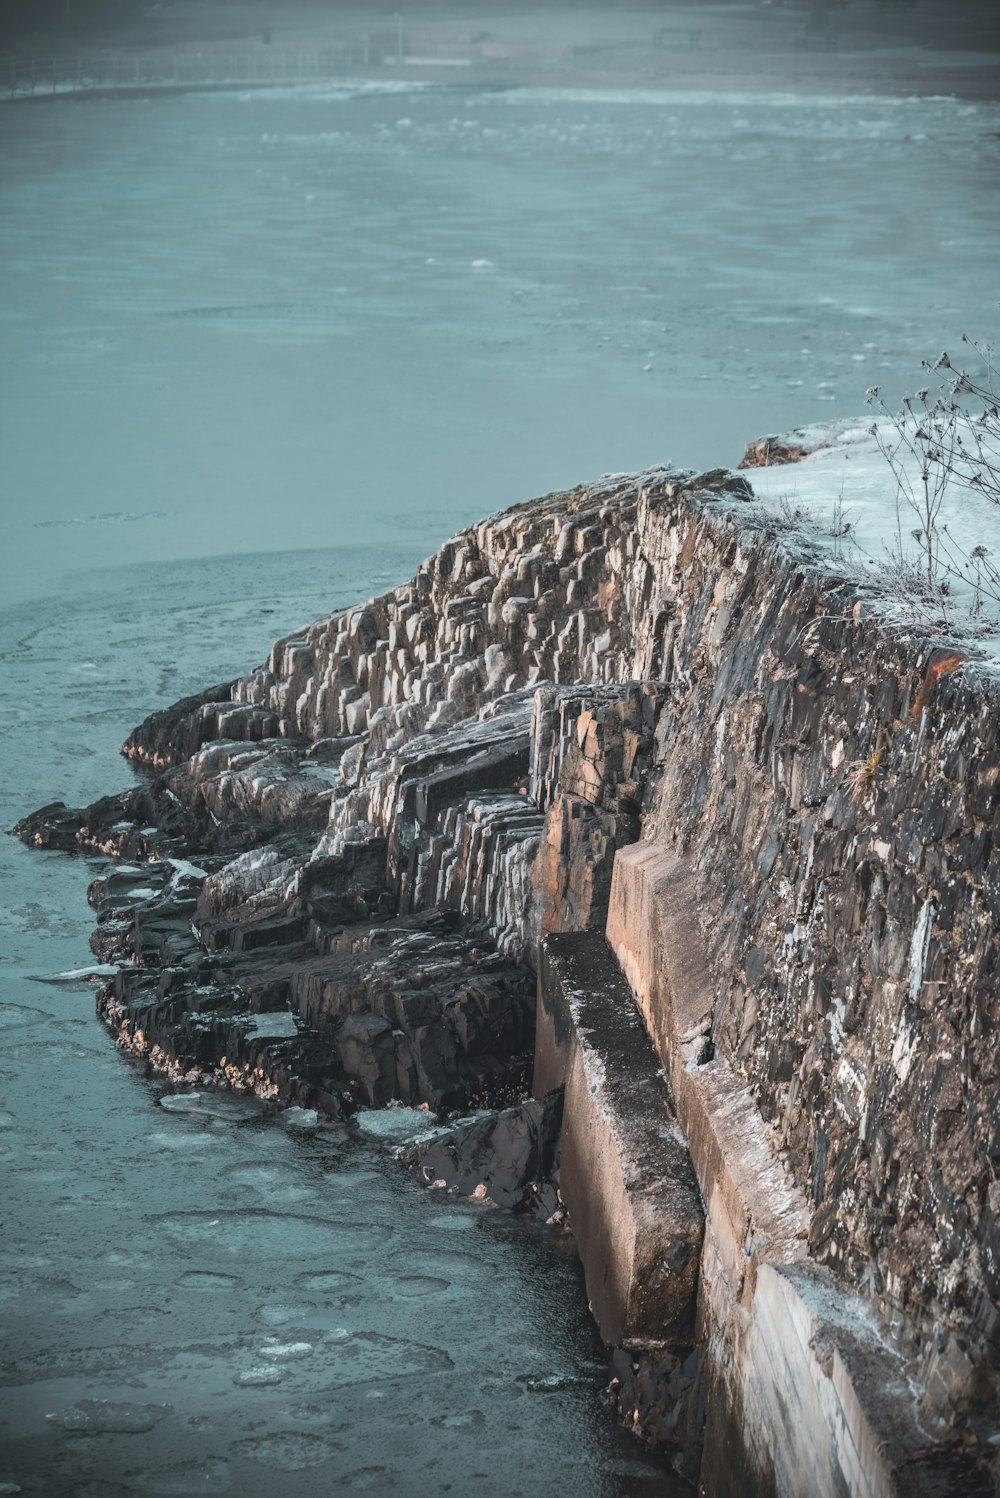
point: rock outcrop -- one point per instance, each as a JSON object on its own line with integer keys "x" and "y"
{"x": 626, "y": 710}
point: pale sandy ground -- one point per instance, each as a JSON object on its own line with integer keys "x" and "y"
{"x": 937, "y": 47}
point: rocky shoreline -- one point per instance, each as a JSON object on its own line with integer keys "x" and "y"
{"x": 342, "y": 878}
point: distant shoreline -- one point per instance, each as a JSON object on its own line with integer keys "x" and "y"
{"x": 712, "y": 48}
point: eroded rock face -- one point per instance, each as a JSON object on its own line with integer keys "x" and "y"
{"x": 387, "y": 816}
{"x": 369, "y": 833}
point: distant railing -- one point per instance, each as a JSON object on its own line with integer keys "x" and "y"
{"x": 41, "y": 76}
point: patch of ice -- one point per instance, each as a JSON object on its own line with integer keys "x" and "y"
{"x": 395, "y": 1123}
{"x": 288, "y": 1450}
{"x": 211, "y": 1105}
{"x": 285, "y": 1352}
{"x": 844, "y": 496}
{"x": 260, "y": 1377}
{"x": 182, "y": 1479}
{"x": 299, "y": 1118}
{"x": 98, "y": 1417}
{"x": 76, "y": 974}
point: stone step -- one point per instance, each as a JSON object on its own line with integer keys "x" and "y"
{"x": 626, "y": 1175}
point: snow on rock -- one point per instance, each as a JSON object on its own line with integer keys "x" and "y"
{"x": 831, "y": 493}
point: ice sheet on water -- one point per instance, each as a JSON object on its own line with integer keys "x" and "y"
{"x": 371, "y": 1479}
{"x": 285, "y": 1352}
{"x": 283, "y": 1314}
{"x": 219, "y": 1105}
{"x": 688, "y": 99}
{"x": 261, "y": 1234}
{"x": 413, "y": 1286}
{"x": 395, "y": 1124}
{"x": 326, "y": 1281}
{"x": 182, "y": 1479}
{"x": 460, "y": 1420}
{"x": 260, "y": 1376}
{"x": 14, "y": 1016}
{"x": 75, "y": 976}
{"x": 208, "y": 1280}
{"x": 76, "y": 1362}
{"x": 189, "y": 1142}
{"x": 357, "y": 1356}
{"x": 299, "y": 1118}
{"x": 334, "y": 91}
{"x": 98, "y": 1417}
{"x": 288, "y": 1450}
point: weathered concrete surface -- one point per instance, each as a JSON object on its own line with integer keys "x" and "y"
{"x": 754, "y": 1211}
{"x": 824, "y": 1404}
{"x": 804, "y": 1393}
{"x": 625, "y": 1173}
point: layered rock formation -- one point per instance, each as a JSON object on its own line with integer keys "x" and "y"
{"x": 625, "y": 707}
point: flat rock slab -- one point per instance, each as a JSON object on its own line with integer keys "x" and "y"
{"x": 625, "y": 1175}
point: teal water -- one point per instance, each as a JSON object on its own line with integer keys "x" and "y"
{"x": 326, "y": 316}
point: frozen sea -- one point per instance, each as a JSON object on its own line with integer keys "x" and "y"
{"x": 260, "y": 353}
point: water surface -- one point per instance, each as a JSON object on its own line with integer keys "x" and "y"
{"x": 349, "y": 314}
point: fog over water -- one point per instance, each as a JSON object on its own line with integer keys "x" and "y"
{"x": 261, "y": 352}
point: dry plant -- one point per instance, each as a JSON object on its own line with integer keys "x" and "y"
{"x": 942, "y": 439}
{"x": 861, "y": 776}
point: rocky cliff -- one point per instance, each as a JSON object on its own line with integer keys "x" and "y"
{"x": 629, "y": 707}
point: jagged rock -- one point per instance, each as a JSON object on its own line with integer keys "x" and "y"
{"x": 651, "y": 1392}
{"x": 765, "y": 452}
{"x": 421, "y": 1010}
{"x": 511, "y": 1158}
{"x": 175, "y": 733}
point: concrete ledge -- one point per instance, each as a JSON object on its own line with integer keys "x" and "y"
{"x": 755, "y": 1212}
{"x": 625, "y": 1173}
{"x": 806, "y": 1396}
{"x": 823, "y": 1402}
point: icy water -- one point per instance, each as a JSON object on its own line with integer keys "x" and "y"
{"x": 196, "y": 1300}
{"x": 238, "y": 322}
{"x": 292, "y": 339}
